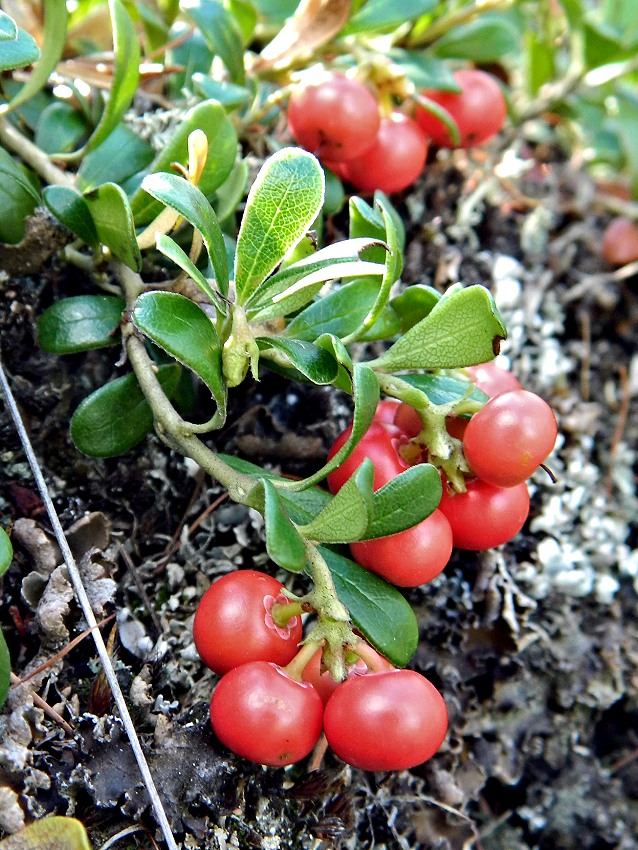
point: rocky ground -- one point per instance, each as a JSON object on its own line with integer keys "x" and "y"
{"x": 534, "y": 646}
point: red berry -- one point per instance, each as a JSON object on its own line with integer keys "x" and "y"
{"x": 233, "y": 624}
{"x": 380, "y": 443}
{"x": 493, "y": 379}
{"x": 510, "y": 437}
{"x": 334, "y": 117}
{"x": 259, "y": 712}
{"x": 391, "y": 720}
{"x": 478, "y": 109}
{"x": 620, "y": 242}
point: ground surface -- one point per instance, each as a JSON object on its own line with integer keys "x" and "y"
{"x": 534, "y": 646}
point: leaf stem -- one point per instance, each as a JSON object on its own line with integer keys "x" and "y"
{"x": 170, "y": 426}
{"x": 31, "y": 154}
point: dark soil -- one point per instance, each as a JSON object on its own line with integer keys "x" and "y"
{"x": 534, "y": 646}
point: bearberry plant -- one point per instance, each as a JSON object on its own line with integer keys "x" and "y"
{"x": 195, "y": 277}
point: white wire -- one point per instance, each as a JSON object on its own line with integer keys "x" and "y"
{"x": 85, "y": 604}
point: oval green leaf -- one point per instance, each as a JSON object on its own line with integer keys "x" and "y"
{"x": 380, "y": 15}
{"x": 189, "y": 201}
{"x": 443, "y": 389}
{"x": 348, "y": 514}
{"x": 18, "y": 52}
{"x": 314, "y": 363}
{"x": 111, "y": 213}
{"x": 53, "y": 38}
{"x": 182, "y": 329}
{"x": 127, "y": 57}
{"x": 117, "y": 416}
{"x": 6, "y": 551}
{"x": 211, "y": 118}
{"x": 80, "y": 323}
{"x": 406, "y": 500}
{"x": 72, "y": 210}
{"x": 463, "y": 329}
{"x": 18, "y": 199}
{"x": 8, "y": 28}
{"x": 120, "y": 155}
{"x": 60, "y": 128}
{"x": 485, "y": 39}
{"x": 414, "y": 304}
{"x": 221, "y": 33}
{"x": 283, "y": 542}
{"x": 283, "y": 202}
{"x": 378, "y": 610}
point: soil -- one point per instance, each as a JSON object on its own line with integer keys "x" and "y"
{"x": 534, "y": 645}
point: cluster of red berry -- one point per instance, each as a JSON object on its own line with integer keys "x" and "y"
{"x": 503, "y": 443}
{"x": 274, "y": 700}
{"x": 339, "y": 119}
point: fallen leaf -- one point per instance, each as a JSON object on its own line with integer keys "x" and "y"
{"x": 314, "y": 23}
{"x": 54, "y": 833}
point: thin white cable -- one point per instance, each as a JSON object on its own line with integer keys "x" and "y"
{"x": 83, "y": 599}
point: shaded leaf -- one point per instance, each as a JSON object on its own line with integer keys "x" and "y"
{"x": 283, "y": 542}
{"x": 182, "y": 329}
{"x": 8, "y": 27}
{"x": 231, "y": 96}
{"x": 169, "y": 248}
{"x": 404, "y": 501}
{"x": 283, "y": 202}
{"x": 314, "y": 23}
{"x": 220, "y": 32}
{"x": 53, "y": 38}
{"x": 188, "y": 200}
{"x": 365, "y": 390}
{"x": 117, "y": 416}
{"x": 346, "y": 517}
{"x": 314, "y": 363}
{"x": 414, "y": 304}
{"x": 463, "y": 329}
{"x": 127, "y": 56}
{"x": 109, "y": 208}
{"x": 18, "y": 198}
{"x": 443, "y": 389}
{"x": 119, "y": 156}
{"x": 6, "y": 551}
{"x": 485, "y": 39}
{"x": 17, "y": 52}
{"x": 80, "y": 323}
{"x": 60, "y": 128}
{"x": 71, "y": 208}
{"x": 210, "y": 117}
{"x": 378, "y": 610}
{"x": 379, "y": 15}
{"x": 52, "y": 833}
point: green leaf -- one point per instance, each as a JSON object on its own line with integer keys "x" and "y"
{"x": 18, "y": 199}
{"x": 338, "y": 313}
{"x": 8, "y": 28}
{"x": 120, "y": 155}
{"x": 53, "y": 39}
{"x": 17, "y": 52}
{"x": 80, "y": 323}
{"x": 5, "y": 674}
{"x": 302, "y": 507}
{"x": 111, "y": 213}
{"x": 117, "y": 417}
{"x": 283, "y": 542}
{"x": 228, "y": 94}
{"x": 71, "y": 208}
{"x": 380, "y": 15}
{"x": 188, "y": 200}
{"x": 60, "y": 128}
{"x": 485, "y": 39}
{"x": 329, "y": 263}
{"x": 378, "y": 610}
{"x": 626, "y": 123}
{"x": 347, "y": 516}
{"x": 283, "y": 202}
{"x": 50, "y": 833}
{"x": 365, "y": 389}
{"x": 220, "y": 32}
{"x": 315, "y": 364}
{"x": 169, "y": 248}
{"x": 210, "y": 117}
{"x": 182, "y": 329}
{"x": 463, "y": 329}
{"x": 425, "y": 71}
{"x": 414, "y": 304}
{"x": 127, "y": 57}
{"x": 6, "y": 551}
{"x": 443, "y": 389}
{"x": 405, "y": 501}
